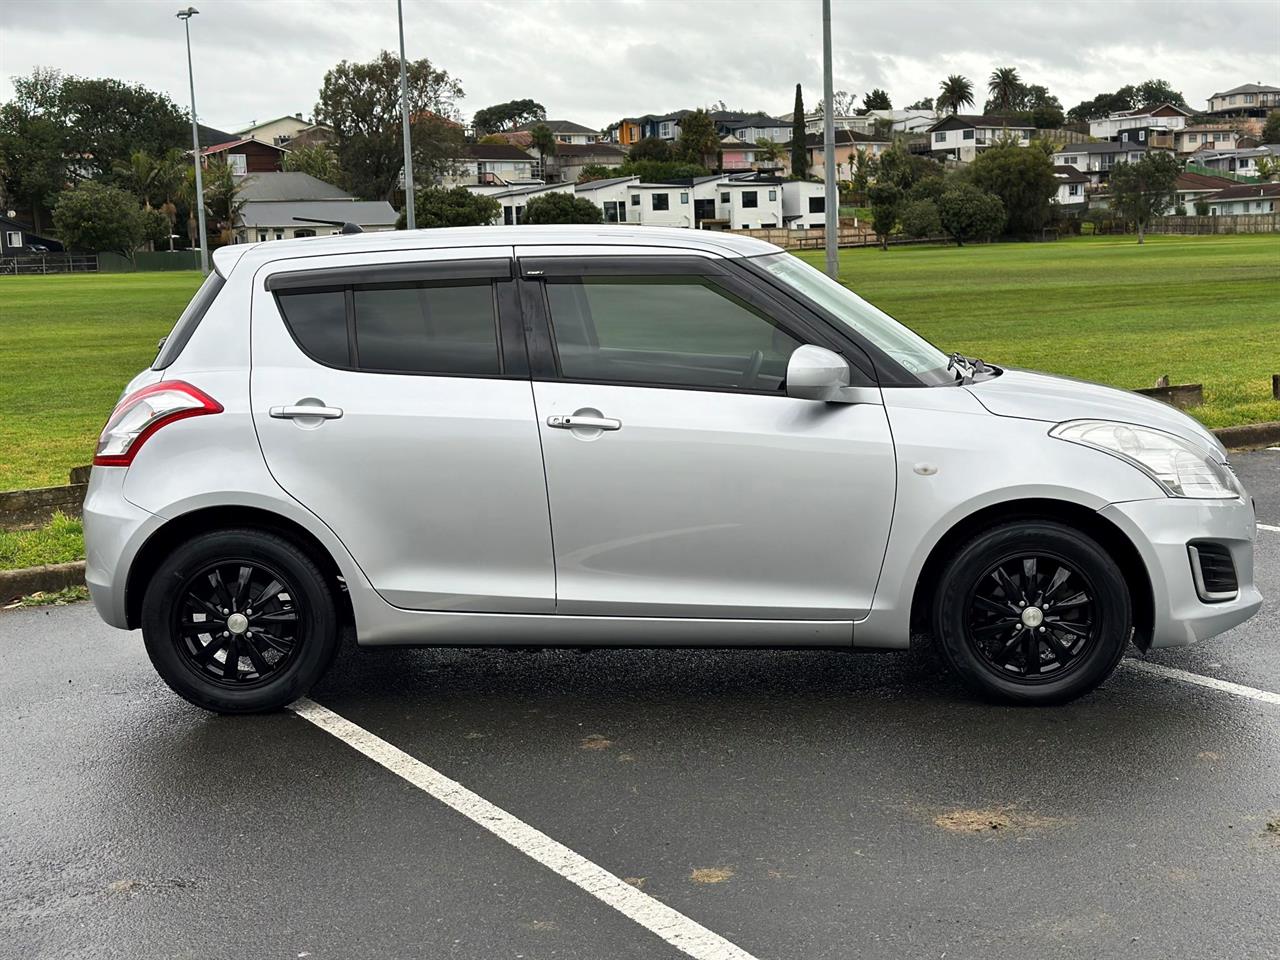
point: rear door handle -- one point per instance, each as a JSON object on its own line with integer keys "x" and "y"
{"x": 295, "y": 410}
{"x": 587, "y": 422}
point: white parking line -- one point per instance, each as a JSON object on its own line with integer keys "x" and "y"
{"x": 687, "y": 936}
{"x": 1267, "y": 526}
{"x": 1223, "y": 686}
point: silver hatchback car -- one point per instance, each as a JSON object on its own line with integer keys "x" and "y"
{"x": 587, "y": 436}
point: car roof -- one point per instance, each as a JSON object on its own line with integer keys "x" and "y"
{"x": 613, "y": 235}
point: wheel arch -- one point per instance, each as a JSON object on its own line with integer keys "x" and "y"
{"x": 208, "y": 519}
{"x": 1109, "y": 536}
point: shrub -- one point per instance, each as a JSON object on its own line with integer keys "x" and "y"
{"x": 967, "y": 213}
{"x": 459, "y": 207}
{"x": 560, "y": 208}
{"x": 95, "y": 218}
{"x": 920, "y": 219}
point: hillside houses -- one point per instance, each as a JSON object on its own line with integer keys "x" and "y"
{"x": 963, "y": 136}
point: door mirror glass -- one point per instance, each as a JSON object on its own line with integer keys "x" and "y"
{"x": 816, "y": 373}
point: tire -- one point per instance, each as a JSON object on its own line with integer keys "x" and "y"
{"x": 1015, "y": 629}
{"x": 281, "y": 649}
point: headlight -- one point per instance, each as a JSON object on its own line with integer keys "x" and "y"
{"x": 1181, "y": 467}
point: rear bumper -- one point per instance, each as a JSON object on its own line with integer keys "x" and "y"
{"x": 1161, "y": 530}
{"x": 114, "y": 531}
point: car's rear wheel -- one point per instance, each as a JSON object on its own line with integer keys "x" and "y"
{"x": 239, "y": 621}
{"x": 1032, "y": 612}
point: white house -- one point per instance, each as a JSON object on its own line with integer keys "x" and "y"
{"x": 963, "y": 136}
{"x": 685, "y": 203}
{"x": 1166, "y": 117}
{"x": 1204, "y": 137}
{"x": 612, "y": 196}
{"x": 513, "y": 200}
{"x": 1248, "y": 99}
{"x": 1072, "y": 186}
{"x": 284, "y": 130}
{"x": 804, "y": 204}
{"x": 1242, "y": 162}
{"x": 496, "y": 164}
{"x": 1245, "y": 198}
{"x": 1097, "y": 159}
{"x": 750, "y": 203}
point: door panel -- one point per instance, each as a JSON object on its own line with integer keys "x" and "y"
{"x": 434, "y": 483}
{"x": 709, "y": 504}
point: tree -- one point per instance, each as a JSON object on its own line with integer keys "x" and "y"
{"x": 886, "y": 203}
{"x": 903, "y": 169}
{"x": 544, "y": 141}
{"x": 97, "y": 218}
{"x": 222, "y": 197}
{"x": 459, "y": 207}
{"x": 699, "y": 142}
{"x": 1005, "y": 89}
{"x": 508, "y": 116}
{"x": 169, "y": 183}
{"x": 1271, "y": 129}
{"x": 650, "y": 148}
{"x": 560, "y": 208}
{"x": 109, "y": 120}
{"x": 967, "y": 213}
{"x": 1144, "y": 189}
{"x": 864, "y": 167}
{"x": 769, "y": 150}
{"x": 1023, "y": 180}
{"x": 920, "y": 219}
{"x": 659, "y": 171}
{"x": 361, "y": 102}
{"x": 140, "y": 176}
{"x": 956, "y": 92}
{"x": 597, "y": 171}
{"x": 316, "y": 160}
{"x": 1152, "y": 93}
{"x": 1102, "y": 105}
{"x": 877, "y": 99}
{"x": 1268, "y": 168}
{"x": 154, "y": 228}
{"x": 799, "y": 144}
{"x": 34, "y": 143}
{"x": 1041, "y": 107}
{"x": 924, "y": 103}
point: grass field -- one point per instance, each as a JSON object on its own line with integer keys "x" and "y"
{"x": 1201, "y": 309}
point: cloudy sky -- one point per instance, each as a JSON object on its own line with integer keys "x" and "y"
{"x": 594, "y": 61}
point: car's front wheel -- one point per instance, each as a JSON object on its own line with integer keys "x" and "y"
{"x": 1032, "y": 612}
{"x": 239, "y": 621}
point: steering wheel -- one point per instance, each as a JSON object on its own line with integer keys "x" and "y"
{"x": 752, "y": 373}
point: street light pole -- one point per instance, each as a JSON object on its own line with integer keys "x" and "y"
{"x": 831, "y": 203}
{"x": 409, "y": 212}
{"x": 185, "y": 16}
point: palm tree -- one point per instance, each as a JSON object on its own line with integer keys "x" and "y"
{"x": 139, "y": 173}
{"x": 222, "y": 193}
{"x": 956, "y": 92}
{"x": 544, "y": 141}
{"x": 1005, "y": 89}
{"x": 171, "y": 169}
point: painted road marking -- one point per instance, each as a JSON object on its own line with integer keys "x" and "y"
{"x": 1267, "y": 526}
{"x": 1223, "y": 686}
{"x": 687, "y": 936}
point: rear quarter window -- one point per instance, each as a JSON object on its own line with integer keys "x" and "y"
{"x": 187, "y": 323}
{"x": 318, "y": 322}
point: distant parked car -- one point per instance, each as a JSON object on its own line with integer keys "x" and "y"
{"x": 586, "y": 436}
{"x": 35, "y": 248}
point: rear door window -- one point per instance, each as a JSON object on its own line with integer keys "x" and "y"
{"x": 446, "y": 328}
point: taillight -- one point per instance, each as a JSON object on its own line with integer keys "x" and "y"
{"x": 145, "y": 411}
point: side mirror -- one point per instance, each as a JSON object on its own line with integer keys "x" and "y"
{"x": 816, "y": 373}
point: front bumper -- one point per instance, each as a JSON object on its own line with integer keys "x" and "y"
{"x": 114, "y": 531}
{"x": 1161, "y": 530}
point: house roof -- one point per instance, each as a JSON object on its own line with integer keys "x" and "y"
{"x": 590, "y": 150}
{"x": 1069, "y": 174}
{"x": 1248, "y": 191}
{"x": 813, "y": 140}
{"x": 495, "y": 151}
{"x": 979, "y": 120}
{"x": 1188, "y": 180}
{"x": 281, "y": 213}
{"x": 211, "y": 135}
{"x": 288, "y": 116}
{"x": 600, "y": 184}
{"x": 1153, "y": 111}
{"x": 527, "y": 189}
{"x": 221, "y": 147}
{"x": 1103, "y": 146}
{"x": 556, "y": 126}
{"x": 1248, "y": 88}
{"x": 749, "y": 120}
{"x": 290, "y": 185}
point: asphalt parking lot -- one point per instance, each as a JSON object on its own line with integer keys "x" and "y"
{"x": 797, "y": 804}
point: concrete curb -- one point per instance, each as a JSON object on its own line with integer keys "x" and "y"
{"x": 46, "y": 579}
{"x": 1249, "y": 435}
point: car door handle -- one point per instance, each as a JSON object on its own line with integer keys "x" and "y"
{"x": 588, "y": 422}
{"x": 292, "y": 411}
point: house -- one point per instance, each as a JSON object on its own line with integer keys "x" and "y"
{"x": 963, "y": 136}
{"x": 677, "y": 203}
{"x": 804, "y": 204}
{"x": 513, "y": 200}
{"x": 750, "y": 127}
{"x": 610, "y": 195}
{"x": 245, "y": 155}
{"x": 1192, "y": 187}
{"x": 1164, "y": 118}
{"x": 1245, "y": 198}
{"x": 289, "y": 185}
{"x": 1243, "y": 163}
{"x": 1246, "y": 100}
{"x": 848, "y": 143}
{"x": 274, "y": 199}
{"x": 1097, "y": 159}
{"x": 1072, "y": 186}
{"x": 737, "y": 154}
{"x": 287, "y": 130}
{"x": 570, "y": 159}
{"x": 18, "y": 238}
{"x": 565, "y": 131}
{"x": 626, "y": 131}
{"x": 1204, "y": 137}
{"x": 495, "y": 164}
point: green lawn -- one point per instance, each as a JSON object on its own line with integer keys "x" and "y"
{"x": 1203, "y": 309}
{"x": 61, "y": 540}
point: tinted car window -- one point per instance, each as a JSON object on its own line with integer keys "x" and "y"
{"x": 445, "y": 329}
{"x": 679, "y": 331}
{"x": 318, "y": 322}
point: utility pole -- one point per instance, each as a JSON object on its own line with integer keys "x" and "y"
{"x": 832, "y": 203}
{"x": 185, "y": 16}
{"x": 409, "y": 212}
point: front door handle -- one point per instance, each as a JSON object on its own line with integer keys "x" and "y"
{"x": 296, "y": 410}
{"x": 584, "y": 421}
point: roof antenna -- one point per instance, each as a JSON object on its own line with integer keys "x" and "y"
{"x": 346, "y": 225}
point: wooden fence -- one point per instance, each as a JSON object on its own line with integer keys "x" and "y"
{"x": 1226, "y": 223}
{"x": 811, "y": 239}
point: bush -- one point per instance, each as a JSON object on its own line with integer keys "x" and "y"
{"x": 967, "y": 213}
{"x": 94, "y": 218}
{"x": 155, "y": 227}
{"x": 651, "y": 148}
{"x": 920, "y": 219}
{"x": 1022, "y": 177}
{"x": 886, "y": 202}
{"x": 459, "y": 207}
{"x": 560, "y": 208}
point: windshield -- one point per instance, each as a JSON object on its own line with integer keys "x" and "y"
{"x": 912, "y": 351}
